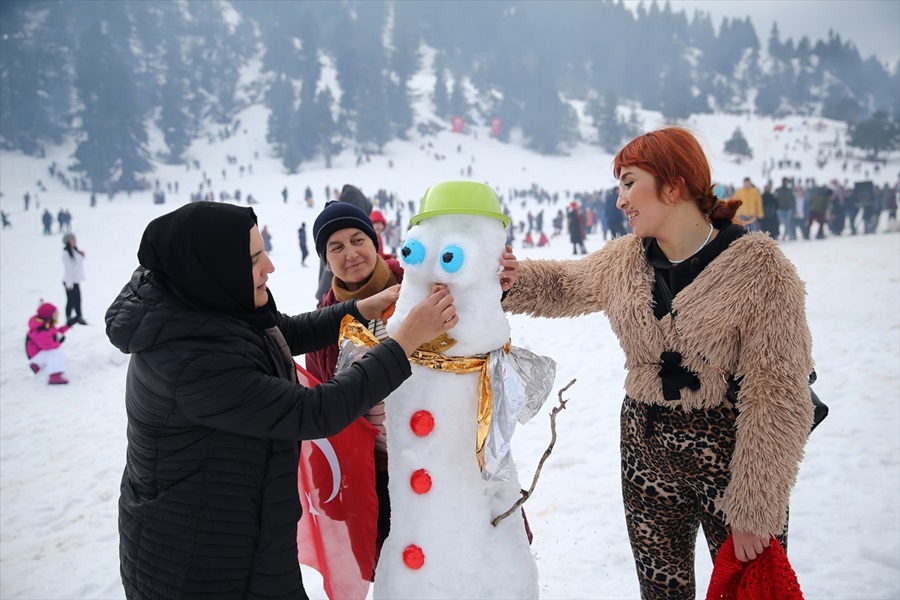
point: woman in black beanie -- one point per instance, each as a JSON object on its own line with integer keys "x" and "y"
{"x": 347, "y": 243}
{"x": 209, "y": 502}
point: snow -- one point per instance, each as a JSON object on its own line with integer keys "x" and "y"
{"x": 465, "y": 542}
{"x": 62, "y": 448}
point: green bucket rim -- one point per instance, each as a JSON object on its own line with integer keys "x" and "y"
{"x": 495, "y": 214}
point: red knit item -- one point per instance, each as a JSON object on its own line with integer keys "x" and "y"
{"x": 767, "y": 577}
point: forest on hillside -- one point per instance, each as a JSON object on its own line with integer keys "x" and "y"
{"x": 99, "y": 72}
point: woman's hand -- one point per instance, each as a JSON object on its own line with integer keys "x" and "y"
{"x": 748, "y": 546}
{"x": 508, "y": 266}
{"x": 374, "y": 307}
{"x": 428, "y": 319}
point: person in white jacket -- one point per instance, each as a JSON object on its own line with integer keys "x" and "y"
{"x": 73, "y": 275}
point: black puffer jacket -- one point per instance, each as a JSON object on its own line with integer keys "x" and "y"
{"x": 209, "y": 502}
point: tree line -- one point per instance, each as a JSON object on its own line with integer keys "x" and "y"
{"x": 100, "y": 71}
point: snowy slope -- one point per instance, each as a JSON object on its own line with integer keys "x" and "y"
{"x": 62, "y": 448}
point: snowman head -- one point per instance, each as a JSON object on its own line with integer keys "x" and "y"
{"x": 457, "y": 239}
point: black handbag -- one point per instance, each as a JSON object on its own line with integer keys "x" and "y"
{"x": 820, "y": 409}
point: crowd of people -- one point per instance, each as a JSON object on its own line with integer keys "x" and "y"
{"x": 236, "y": 393}
{"x": 793, "y": 210}
{"x": 215, "y": 411}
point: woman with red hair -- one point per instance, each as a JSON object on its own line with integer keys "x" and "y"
{"x": 712, "y": 322}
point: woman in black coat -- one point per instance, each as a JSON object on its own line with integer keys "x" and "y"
{"x": 209, "y": 502}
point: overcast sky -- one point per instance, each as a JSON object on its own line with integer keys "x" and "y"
{"x": 872, "y": 25}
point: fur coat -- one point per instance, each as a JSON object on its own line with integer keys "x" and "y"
{"x": 744, "y": 314}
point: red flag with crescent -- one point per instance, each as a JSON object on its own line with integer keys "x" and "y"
{"x": 336, "y": 480}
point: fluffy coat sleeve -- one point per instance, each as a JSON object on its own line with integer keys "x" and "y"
{"x": 775, "y": 408}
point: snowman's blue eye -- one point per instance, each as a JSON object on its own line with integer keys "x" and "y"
{"x": 413, "y": 252}
{"x": 452, "y": 258}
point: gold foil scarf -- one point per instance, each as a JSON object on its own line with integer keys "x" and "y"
{"x": 427, "y": 355}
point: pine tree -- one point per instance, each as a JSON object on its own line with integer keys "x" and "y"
{"x": 440, "y": 97}
{"x": 840, "y": 105}
{"x": 603, "y": 109}
{"x": 676, "y": 93}
{"x": 404, "y": 63}
{"x": 280, "y": 54}
{"x": 634, "y": 125}
{"x": 372, "y": 123}
{"x": 351, "y": 61}
{"x": 737, "y": 145}
{"x": 292, "y": 153}
{"x": 370, "y": 113}
{"x": 775, "y": 47}
{"x": 549, "y": 123}
{"x": 400, "y": 110}
{"x": 214, "y": 63}
{"x": 324, "y": 128}
{"x": 21, "y": 106}
{"x": 673, "y": 65}
{"x": 303, "y": 138}
{"x": 768, "y": 98}
{"x": 173, "y": 120}
{"x": 112, "y": 150}
{"x": 877, "y": 134}
{"x": 459, "y": 106}
{"x": 301, "y": 142}
{"x": 280, "y": 100}
{"x": 28, "y": 70}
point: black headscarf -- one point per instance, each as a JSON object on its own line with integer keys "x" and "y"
{"x": 203, "y": 251}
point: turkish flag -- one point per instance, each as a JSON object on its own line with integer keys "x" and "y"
{"x": 336, "y": 479}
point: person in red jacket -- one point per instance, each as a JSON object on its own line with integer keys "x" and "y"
{"x": 379, "y": 223}
{"x": 42, "y": 344}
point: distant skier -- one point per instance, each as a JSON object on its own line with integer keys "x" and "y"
{"x": 267, "y": 239}
{"x": 304, "y": 252}
{"x": 47, "y": 220}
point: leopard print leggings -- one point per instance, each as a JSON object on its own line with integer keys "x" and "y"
{"x": 675, "y": 465}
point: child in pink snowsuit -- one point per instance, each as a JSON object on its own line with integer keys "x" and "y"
{"x": 43, "y": 341}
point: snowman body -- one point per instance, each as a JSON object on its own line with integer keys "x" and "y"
{"x": 441, "y": 505}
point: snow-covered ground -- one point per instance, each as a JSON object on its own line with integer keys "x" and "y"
{"x": 62, "y": 448}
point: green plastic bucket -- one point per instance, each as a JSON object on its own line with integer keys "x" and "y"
{"x": 460, "y": 198}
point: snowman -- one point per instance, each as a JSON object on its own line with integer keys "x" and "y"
{"x": 449, "y": 426}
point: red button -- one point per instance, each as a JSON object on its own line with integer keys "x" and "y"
{"x": 420, "y": 481}
{"x": 413, "y": 557}
{"x": 421, "y": 423}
